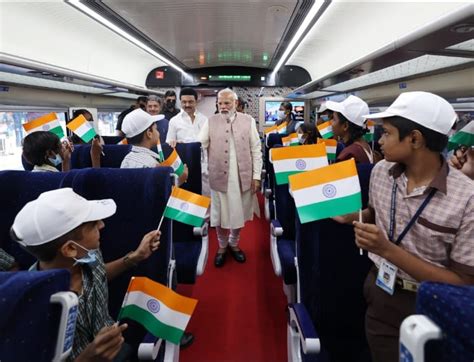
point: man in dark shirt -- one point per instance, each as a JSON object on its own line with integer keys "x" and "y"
{"x": 169, "y": 109}
{"x": 139, "y": 103}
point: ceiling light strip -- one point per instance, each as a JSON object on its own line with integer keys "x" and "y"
{"x": 308, "y": 20}
{"x": 84, "y": 8}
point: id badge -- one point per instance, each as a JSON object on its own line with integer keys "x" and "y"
{"x": 387, "y": 276}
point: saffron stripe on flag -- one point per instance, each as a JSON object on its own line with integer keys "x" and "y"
{"x": 38, "y": 122}
{"x": 170, "y": 298}
{"x": 297, "y": 152}
{"x": 326, "y": 174}
{"x": 76, "y": 123}
{"x": 152, "y": 325}
{"x": 191, "y": 208}
{"x": 186, "y": 195}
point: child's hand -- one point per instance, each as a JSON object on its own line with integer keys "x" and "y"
{"x": 184, "y": 177}
{"x": 105, "y": 346}
{"x": 149, "y": 244}
{"x": 66, "y": 149}
{"x": 371, "y": 238}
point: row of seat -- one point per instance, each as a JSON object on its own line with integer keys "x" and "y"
{"x": 141, "y": 196}
{"x": 323, "y": 276}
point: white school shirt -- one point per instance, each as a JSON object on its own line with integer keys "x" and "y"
{"x": 182, "y": 129}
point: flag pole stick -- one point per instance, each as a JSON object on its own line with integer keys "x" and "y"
{"x": 361, "y": 252}
{"x": 161, "y": 221}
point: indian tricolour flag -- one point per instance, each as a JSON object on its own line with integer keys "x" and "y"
{"x": 123, "y": 142}
{"x": 281, "y": 129}
{"x": 331, "y": 147}
{"x": 48, "y": 122}
{"x": 160, "y": 152}
{"x": 162, "y": 312}
{"x": 175, "y": 162}
{"x": 464, "y": 137}
{"x": 288, "y": 161}
{"x": 187, "y": 207}
{"x": 326, "y": 192}
{"x": 369, "y": 137}
{"x": 82, "y": 128}
{"x": 291, "y": 140}
{"x": 325, "y": 129}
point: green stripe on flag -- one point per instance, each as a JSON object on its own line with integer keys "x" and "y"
{"x": 90, "y": 134}
{"x": 179, "y": 171}
{"x": 331, "y": 156}
{"x": 328, "y": 135}
{"x": 58, "y": 131}
{"x": 282, "y": 177}
{"x": 462, "y": 138}
{"x": 152, "y": 325}
{"x": 161, "y": 156}
{"x": 368, "y": 137}
{"x": 326, "y": 209}
{"x": 183, "y": 217}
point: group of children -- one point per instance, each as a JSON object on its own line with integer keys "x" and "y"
{"x": 419, "y": 225}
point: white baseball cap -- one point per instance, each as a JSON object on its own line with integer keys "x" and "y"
{"x": 426, "y": 109}
{"x": 55, "y": 213}
{"x": 353, "y": 108}
{"x": 136, "y": 122}
{"x": 322, "y": 108}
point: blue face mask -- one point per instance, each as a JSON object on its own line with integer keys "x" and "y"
{"x": 325, "y": 118}
{"x": 90, "y": 258}
{"x": 56, "y": 161}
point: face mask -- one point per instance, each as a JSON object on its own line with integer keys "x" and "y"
{"x": 90, "y": 258}
{"x": 56, "y": 161}
{"x": 281, "y": 115}
{"x": 325, "y": 118}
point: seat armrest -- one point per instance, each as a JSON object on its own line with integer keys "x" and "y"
{"x": 415, "y": 331}
{"x": 201, "y": 231}
{"x": 268, "y": 193}
{"x": 275, "y": 231}
{"x": 275, "y": 228}
{"x": 204, "y": 254}
{"x": 299, "y": 318}
{"x": 148, "y": 349}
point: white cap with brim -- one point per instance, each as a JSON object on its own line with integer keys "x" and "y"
{"x": 426, "y": 109}
{"x": 322, "y": 108}
{"x": 136, "y": 122}
{"x": 55, "y": 213}
{"x": 158, "y": 117}
{"x": 353, "y": 108}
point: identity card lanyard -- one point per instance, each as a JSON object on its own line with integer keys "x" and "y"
{"x": 387, "y": 271}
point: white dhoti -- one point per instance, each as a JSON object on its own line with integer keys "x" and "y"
{"x": 231, "y": 209}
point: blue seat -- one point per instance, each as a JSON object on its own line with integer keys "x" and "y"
{"x": 19, "y": 188}
{"x": 451, "y": 308}
{"x": 190, "y": 244}
{"x": 113, "y": 156}
{"x": 28, "y": 321}
{"x": 282, "y": 238}
{"x": 331, "y": 277}
{"x": 269, "y": 183}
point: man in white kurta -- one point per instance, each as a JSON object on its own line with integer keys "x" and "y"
{"x": 232, "y": 208}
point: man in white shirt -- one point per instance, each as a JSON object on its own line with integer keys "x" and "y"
{"x": 185, "y": 126}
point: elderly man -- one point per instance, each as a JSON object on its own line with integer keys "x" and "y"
{"x": 153, "y": 107}
{"x": 235, "y": 163}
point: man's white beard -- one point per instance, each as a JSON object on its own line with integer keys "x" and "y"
{"x": 228, "y": 114}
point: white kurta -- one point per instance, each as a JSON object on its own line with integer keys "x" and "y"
{"x": 231, "y": 209}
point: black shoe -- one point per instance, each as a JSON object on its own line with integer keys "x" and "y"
{"x": 186, "y": 340}
{"x": 219, "y": 260}
{"x": 238, "y": 255}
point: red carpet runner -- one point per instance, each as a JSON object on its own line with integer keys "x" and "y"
{"x": 241, "y": 311}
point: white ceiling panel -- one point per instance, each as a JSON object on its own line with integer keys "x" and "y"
{"x": 316, "y": 94}
{"x": 55, "y": 33}
{"x": 420, "y": 65}
{"x": 212, "y": 32}
{"x": 350, "y": 30}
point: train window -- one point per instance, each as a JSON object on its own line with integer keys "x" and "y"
{"x": 12, "y": 134}
{"x": 107, "y": 122}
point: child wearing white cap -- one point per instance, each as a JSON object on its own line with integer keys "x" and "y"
{"x": 419, "y": 224}
{"x": 62, "y": 230}
{"x": 142, "y": 133}
{"x": 348, "y": 126}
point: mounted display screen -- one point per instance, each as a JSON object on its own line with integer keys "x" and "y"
{"x": 230, "y": 78}
{"x": 271, "y": 111}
